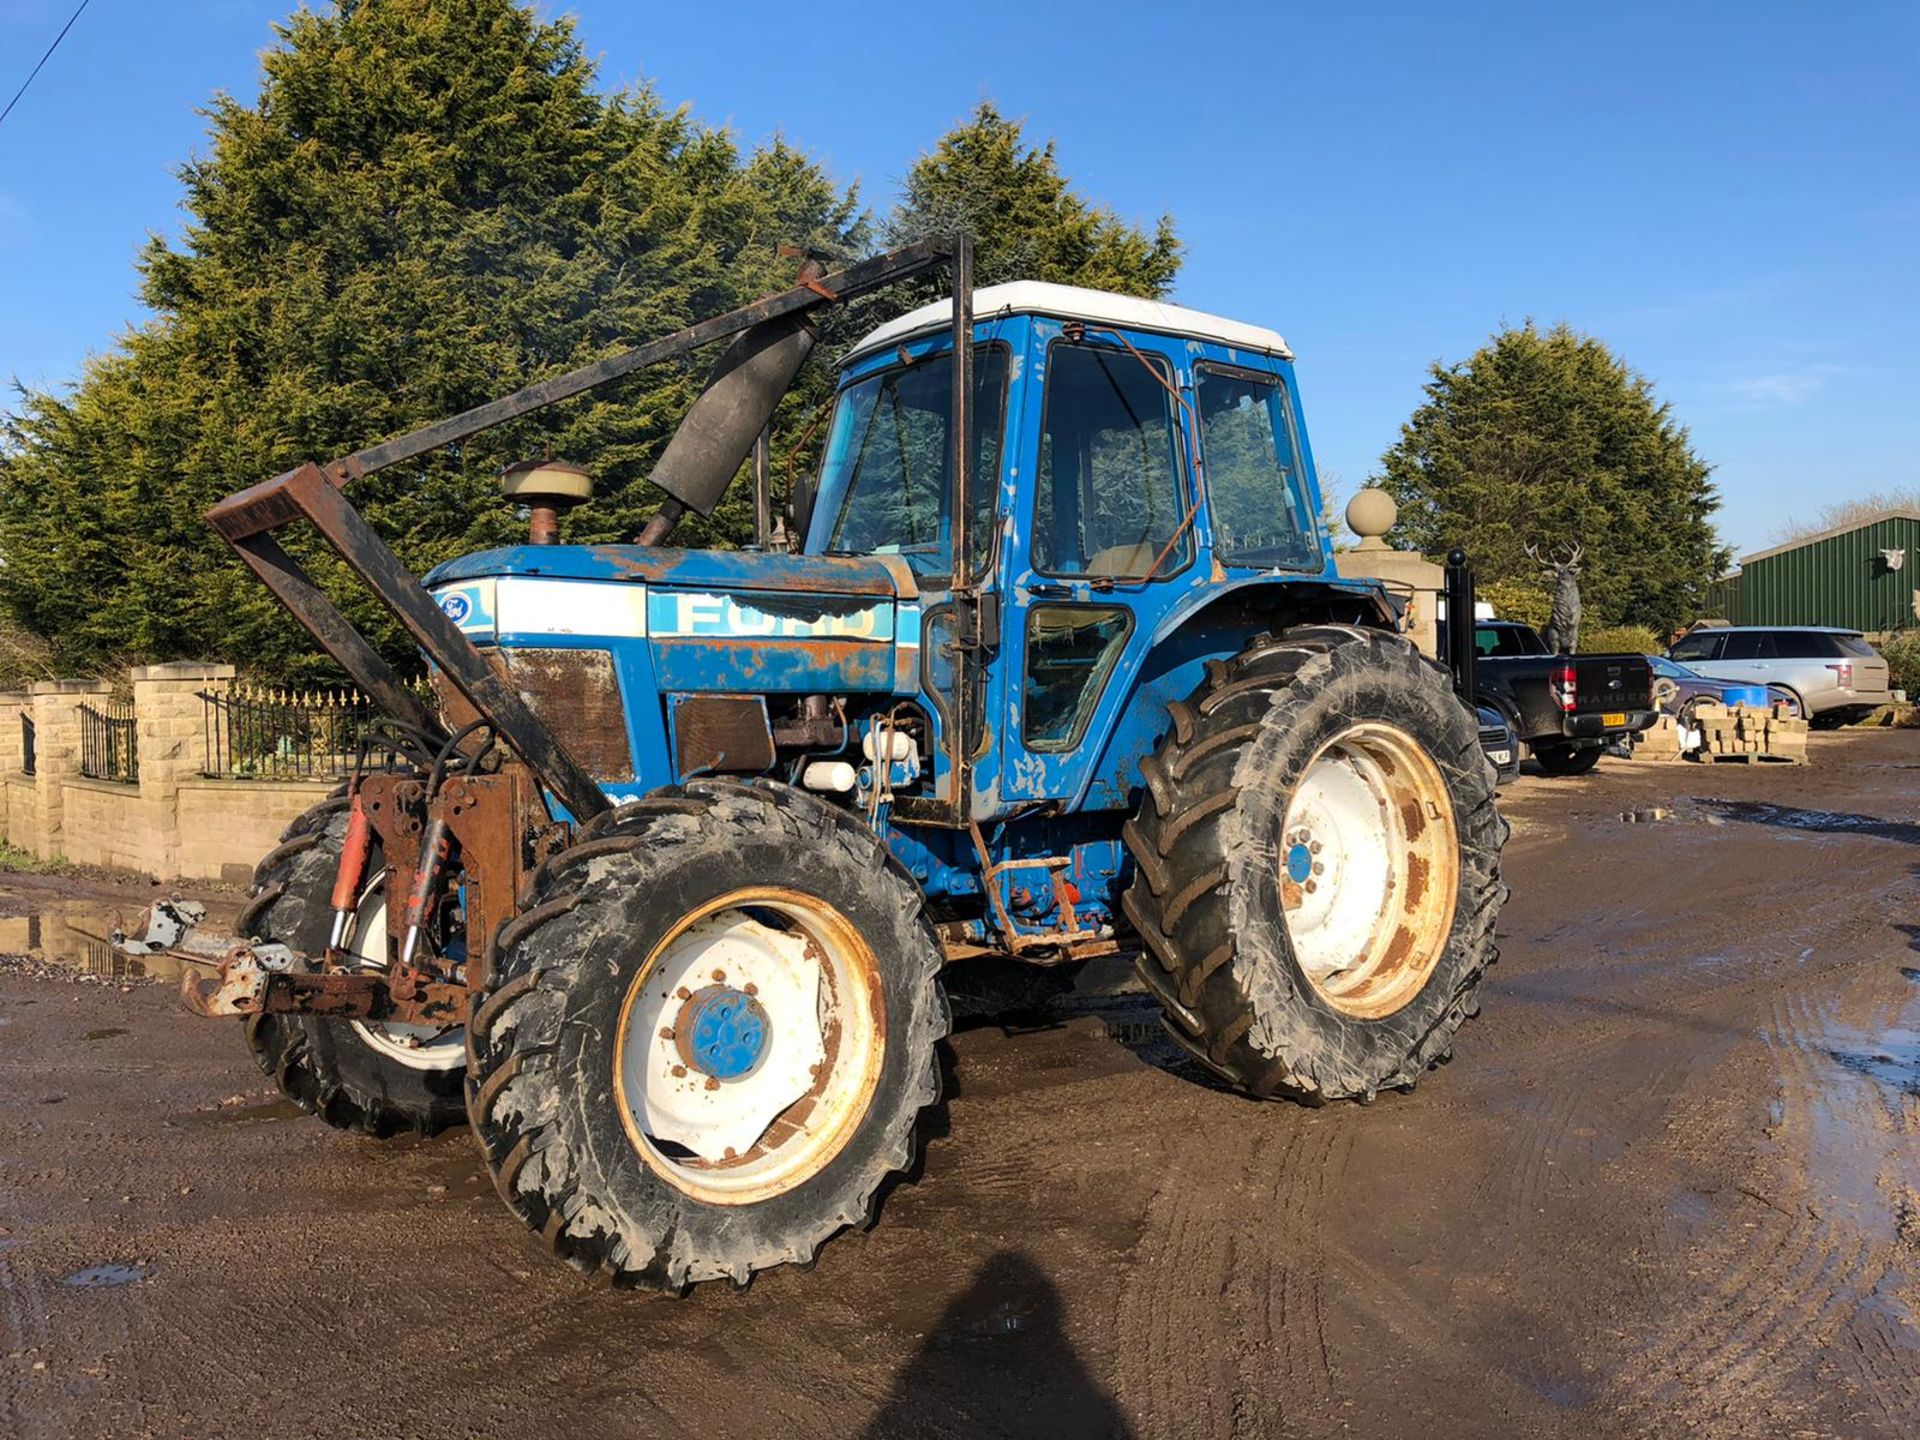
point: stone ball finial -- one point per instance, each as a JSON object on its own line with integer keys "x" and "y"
{"x": 1370, "y": 514}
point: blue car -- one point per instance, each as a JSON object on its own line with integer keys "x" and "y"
{"x": 1676, "y": 689}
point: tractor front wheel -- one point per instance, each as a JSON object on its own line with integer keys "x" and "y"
{"x": 709, "y": 1036}
{"x": 376, "y": 1079}
{"x": 1317, "y": 864}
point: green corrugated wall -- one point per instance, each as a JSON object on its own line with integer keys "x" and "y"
{"x": 1840, "y": 580}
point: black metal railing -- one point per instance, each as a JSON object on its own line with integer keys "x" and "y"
{"x": 267, "y": 733}
{"x": 28, "y": 759}
{"x": 109, "y": 742}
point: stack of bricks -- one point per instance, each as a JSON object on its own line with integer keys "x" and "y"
{"x": 1786, "y": 734}
{"x": 1659, "y": 741}
{"x": 1750, "y": 732}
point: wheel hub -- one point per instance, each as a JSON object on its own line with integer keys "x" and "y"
{"x": 1299, "y": 863}
{"x": 722, "y": 1032}
{"x": 1369, "y": 869}
{"x": 725, "y": 1033}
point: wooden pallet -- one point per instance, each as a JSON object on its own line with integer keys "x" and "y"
{"x": 1706, "y": 757}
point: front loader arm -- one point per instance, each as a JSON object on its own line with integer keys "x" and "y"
{"x": 312, "y": 492}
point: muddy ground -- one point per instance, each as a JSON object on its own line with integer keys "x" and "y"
{"x": 1670, "y": 1186}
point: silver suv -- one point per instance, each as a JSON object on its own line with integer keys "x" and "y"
{"x": 1835, "y": 674}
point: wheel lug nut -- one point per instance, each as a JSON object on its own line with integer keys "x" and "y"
{"x": 713, "y": 1082}
{"x": 1313, "y": 848}
{"x": 666, "y": 1032}
{"x": 1319, "y": 869}
{"x": 679, "y": 1072}
{"x": 1311, "y": 887}
{"x": 719, "y": 976}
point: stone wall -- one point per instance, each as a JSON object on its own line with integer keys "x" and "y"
{"x": 174, "y": 823}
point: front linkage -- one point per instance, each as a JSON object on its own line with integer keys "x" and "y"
{"x": 494, "y": 822}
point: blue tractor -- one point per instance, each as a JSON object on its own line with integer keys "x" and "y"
{"x": 1050, "y": 662}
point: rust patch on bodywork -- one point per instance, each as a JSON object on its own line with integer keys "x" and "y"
{"x": 578, "y": 694}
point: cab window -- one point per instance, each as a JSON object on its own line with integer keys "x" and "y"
{"x": 1071, "y": 649}
{"x": 1108, "y": 500}
{"x": 1254, "y": 491}
{"x": 884, "y": 481}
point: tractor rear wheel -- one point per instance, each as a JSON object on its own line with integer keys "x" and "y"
{"x": 374, "y": 1079}
{"x": 1317, "y": 860}
{"x": 709, "y": 1036}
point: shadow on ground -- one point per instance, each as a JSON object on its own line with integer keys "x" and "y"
{"x": 999, "y": 1363}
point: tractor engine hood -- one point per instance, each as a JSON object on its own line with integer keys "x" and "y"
{"x": 716, "y": 621}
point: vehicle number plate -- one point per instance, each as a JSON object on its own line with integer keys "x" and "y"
{"x": 1499, "y": 757}
{"x": 1614, "y": 717}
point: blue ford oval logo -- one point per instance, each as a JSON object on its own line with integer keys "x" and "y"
{"x": 456, "y": 606}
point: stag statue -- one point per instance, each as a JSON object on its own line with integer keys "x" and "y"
{"x": 1563, "y": 626}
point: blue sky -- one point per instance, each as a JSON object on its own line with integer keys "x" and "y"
{"x": 1728, "y": 194}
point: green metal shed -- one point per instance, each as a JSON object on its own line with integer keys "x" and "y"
{"x": 1864, "y": 576}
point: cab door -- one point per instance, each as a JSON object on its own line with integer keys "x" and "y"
{"x": 1098, "y": 555}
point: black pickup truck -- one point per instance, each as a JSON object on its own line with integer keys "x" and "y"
{"x": 1567, "y": 708}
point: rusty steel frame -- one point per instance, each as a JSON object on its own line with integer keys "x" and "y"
{"x": 311, "y": 492}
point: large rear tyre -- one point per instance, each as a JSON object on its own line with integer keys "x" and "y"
{"x": 1317, "y": 862}
{"x": 709, "y": 1036}
{"x": 376, "y": 1080}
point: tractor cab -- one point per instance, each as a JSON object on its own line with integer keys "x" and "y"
{"x": 1133, "y": 462}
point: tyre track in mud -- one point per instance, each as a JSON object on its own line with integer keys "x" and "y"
{"x": 1787, "y": 1287}
{"x": 1799, "y": 1273}
{"x": 1237, "y": 1308}
{"x": 1795, "y": 1282}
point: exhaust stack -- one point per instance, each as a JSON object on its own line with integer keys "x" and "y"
{"x": 723, "y": 424}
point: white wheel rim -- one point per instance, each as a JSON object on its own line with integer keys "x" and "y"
{"x": 418, "y": 1047}
{"x": 1369, "y": 869}
{"x": 750, "y": 1045}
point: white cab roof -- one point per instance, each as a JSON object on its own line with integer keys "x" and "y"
{"x": 1071, "y": 302}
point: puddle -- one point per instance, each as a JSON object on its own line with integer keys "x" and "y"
{"x": 223, "y": 1114}
{"x": 1853, "y": 1088}
{"x": 1823, "y": 822}
{"x": 107, "y": 1277}
{"x": 74, "y": 934}
{"x": 1890, "y": 1058}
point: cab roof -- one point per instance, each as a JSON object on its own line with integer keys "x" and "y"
{"x": 1072, "y": 302}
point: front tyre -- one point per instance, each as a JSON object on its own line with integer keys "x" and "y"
{"x": 709, "y": 1037}
{"x": 1317, "y": 860}
{"x": 375, "y": 1079}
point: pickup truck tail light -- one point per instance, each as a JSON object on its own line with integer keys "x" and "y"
{"x": 1845, "y": 671}
{"x": 1564, "y": 685}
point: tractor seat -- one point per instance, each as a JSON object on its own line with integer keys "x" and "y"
{"x": 1124, "y": 561}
